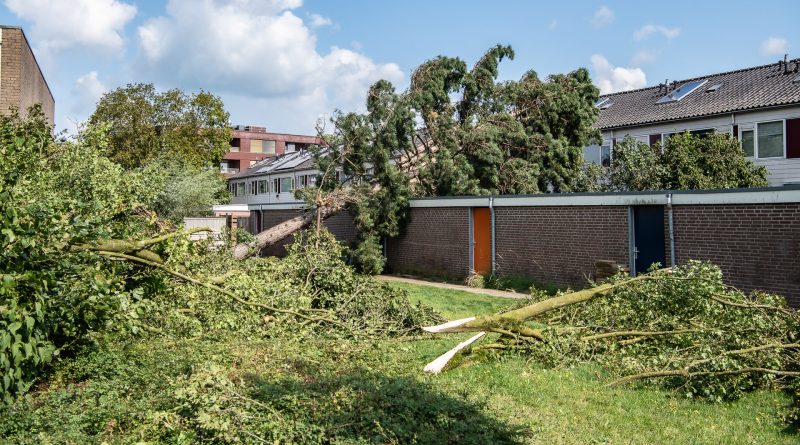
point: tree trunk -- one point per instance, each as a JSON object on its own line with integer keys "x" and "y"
{"x": 275, "y": 234}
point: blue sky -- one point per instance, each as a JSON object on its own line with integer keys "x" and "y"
{"x": 284, "y": 63}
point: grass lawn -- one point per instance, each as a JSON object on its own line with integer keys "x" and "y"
{"x": 159, "y": 390}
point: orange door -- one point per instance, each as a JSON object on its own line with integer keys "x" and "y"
{"x": 481, "y": 240}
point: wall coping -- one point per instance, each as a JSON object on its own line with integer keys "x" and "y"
{"x": 766, "y": 195}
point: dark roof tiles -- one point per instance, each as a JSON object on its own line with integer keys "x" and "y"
{"x": 752, "y": 88}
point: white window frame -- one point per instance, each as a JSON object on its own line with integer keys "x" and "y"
{"x": 753, "y": 126}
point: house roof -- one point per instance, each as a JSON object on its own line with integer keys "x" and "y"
{"x": 745, "y": 89}
{"x": 290, "y": 162}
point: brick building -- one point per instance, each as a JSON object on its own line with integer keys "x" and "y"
{"x": 21, "y": 81}
{"x": 250, "y": 144}
{"x": 753, "y": 235}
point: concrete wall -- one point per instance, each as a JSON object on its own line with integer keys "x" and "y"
{"x": 21, "y": 81}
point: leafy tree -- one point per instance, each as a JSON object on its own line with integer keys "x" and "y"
{"x": 454, "y": 132}
{"x": 709, "y": 162}
{"x": 145, "y": 125}
{"x": 686, "y": 162}
{"x": 186, "y": 190}
{"x": 523, "y": 136}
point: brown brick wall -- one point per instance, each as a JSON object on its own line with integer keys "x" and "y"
{"x": 21, "y": 82}
{"x": 757, "y": 246}
{"x": 559, "y": 245}
{"x": 435, "y": 242}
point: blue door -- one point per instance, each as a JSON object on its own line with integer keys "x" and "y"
{"x": 648, "y": 236}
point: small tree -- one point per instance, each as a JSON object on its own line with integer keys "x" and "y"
{"x": 714, "y": 161}
{"x": 686, "y": 162}
{"x": 145, "y": 125}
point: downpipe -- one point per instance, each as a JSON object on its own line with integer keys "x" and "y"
{"x": 491, "y": 216}
{"x": 671, "y": 231}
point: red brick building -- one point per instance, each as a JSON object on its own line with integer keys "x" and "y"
{"x": 250, "y": 144}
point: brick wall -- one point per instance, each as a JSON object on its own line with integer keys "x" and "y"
{"x": 756, "y": 245}
{"x": 559, "y": 245}
{"x": 21, "y": 82}
{"x": 341, "y": 225}
{"x": 436, "y": 242}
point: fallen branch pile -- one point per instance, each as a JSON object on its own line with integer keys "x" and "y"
{"x": 680, "y": 328}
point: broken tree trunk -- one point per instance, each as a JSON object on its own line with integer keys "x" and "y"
{"x": 275, "y": 234}
{"x": 511, "y": 323}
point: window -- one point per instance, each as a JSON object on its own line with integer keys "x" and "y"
{"x": 603, "y": 103}
{"x": 262, "y": 187}
{"x": 290, "y": 147}
{"x": 681, "y": 92}
{"x": 591, "y": 154}
{"x": 770, "y": 139}
{"x": 232, "y": 188}
{"x": 239, "y": 189}
{"x": 605, "y": 155}
{"x": 268, "y": 147}
{"x": 285, "y": 185}
{"x": 748, "y": 143}
{"x": 256, "y": 146}
{"x": 276, "y": 186}
{"x": 312, "y": 180}
{"x": 253, "y": 188}
{"x": 235, "y": 144}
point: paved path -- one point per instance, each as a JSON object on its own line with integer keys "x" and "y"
{"x": 474, "y": 290}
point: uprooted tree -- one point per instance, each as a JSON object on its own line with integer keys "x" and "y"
{"x": 455, "y": 131}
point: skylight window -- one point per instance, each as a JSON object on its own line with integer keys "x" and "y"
{"x": 681, "y": 92}
{"x": 713, "y": 88}
{"x": 603, "y": 103}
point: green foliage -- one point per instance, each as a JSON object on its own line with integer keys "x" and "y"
{"x": 186, "y": 190}
{"x": 313, "y": 276}
{"x": 145, "y": 125}
{"x": 52, "y": 196}
{"x": 523, "y": 136}
{"x": 687, "y": 162}
{"x": 692, "y": 300}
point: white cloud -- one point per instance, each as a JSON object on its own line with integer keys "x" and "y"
{"x": 602, "y": 17}
{"x": 648, "y": 30}
{"x": 610, "y": 78}
{"x": 644, "y": 56}
{"x": 318, "y": 21}
{"x": 255, "y": 49}
{"x": 87, "y": 90}
{"x": 59, "y": 24}
{"x": 774, "y": 46}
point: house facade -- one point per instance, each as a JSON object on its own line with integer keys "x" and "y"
{"x": 759, "y": 106}
{"x": 250, "y": 144}
{"x": 22, "y": 83}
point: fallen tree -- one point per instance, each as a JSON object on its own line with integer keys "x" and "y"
{"x": 680, "y": 328}
{"x": 280, "y": 232}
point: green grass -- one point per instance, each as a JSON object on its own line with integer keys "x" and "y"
{"x": 364, "y": 391}
{"x": 455, "y": 303}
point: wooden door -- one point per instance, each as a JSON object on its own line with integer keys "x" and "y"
{"x": 481, "y": 240}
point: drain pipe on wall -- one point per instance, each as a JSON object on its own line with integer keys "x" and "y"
{"x": 491, "y": 216}
{"x": 671, "y": 231}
